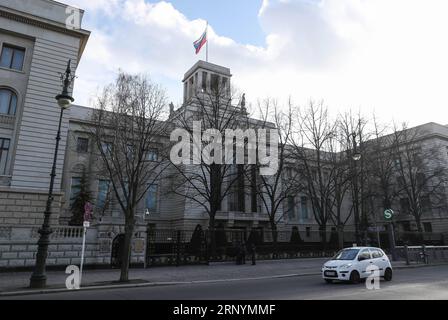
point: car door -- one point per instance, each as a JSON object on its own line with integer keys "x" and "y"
{"x": 366, "y": 260}
{"x": 379, "y": 260}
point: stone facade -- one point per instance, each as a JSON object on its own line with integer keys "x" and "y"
{"x": 38, "y": 27}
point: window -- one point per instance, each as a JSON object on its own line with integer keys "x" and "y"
{"x": 397, "y": 163}
{"x": 151, "y": 198}
{"x": 214, "y": 83}
{"x": 106, "y": 147}
{"x": 425, "y": 203}
{"x": 224, "y": 85}
{"x": 365, "y": 254}
{"x": 204, "y": 81}
{"x": 152, "y": 155}
{"x": 427, "y": 226}
{"x": 8, "y": 102}
{"x": 75, "y": 188}
{"x": 82, "y": 145}
{"x": 103, "y": 191}
{"x": 12, "y": 57}
{"x": 376, "y": 253}
{"x": 308, "y": 232}
{"x": 291, "y": 208}
{"x": 4, "y": 149}
{"x": 304, "y": 207}
{"x": 254, "y": 189}
{"x": 405, "y": 206}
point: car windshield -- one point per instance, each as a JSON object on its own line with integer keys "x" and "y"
{"x": 346, "y": 254}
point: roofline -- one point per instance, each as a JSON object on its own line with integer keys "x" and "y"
{"x": 45, "y": 23}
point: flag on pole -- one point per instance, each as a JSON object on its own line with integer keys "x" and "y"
{"x": 198, "y": 44}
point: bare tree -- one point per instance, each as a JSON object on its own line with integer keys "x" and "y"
{"x": 210, "y": 178}
{"x": 356, "y": 134}
{"x": 312, "y": 136}
{"x": 340, "y": 180}
{"x": 125, "y": 127}
{"x": 420, "y": 172}
{"x": 380, "y": 151}
{"x": 275, "y": 191}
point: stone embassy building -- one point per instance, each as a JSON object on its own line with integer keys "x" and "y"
{"x": 35, "y": 46}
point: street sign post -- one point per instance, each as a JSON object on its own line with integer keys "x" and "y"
{"x": 389, "y": 215}
{"x": 88, "y": 208}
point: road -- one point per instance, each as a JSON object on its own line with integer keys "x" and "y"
{"x": 412, "y": 283}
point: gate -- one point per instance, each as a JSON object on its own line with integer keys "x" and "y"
{"x": 117, "y": 251}
{"x": 175, "y": 247}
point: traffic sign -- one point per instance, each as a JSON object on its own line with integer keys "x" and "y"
{"x": 388, "y": 214}
{"x": 88, "y": 208}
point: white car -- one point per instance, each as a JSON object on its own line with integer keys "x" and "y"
{"x": 350, "y": 264}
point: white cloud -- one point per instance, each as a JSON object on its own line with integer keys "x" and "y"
{"x": 371, "y": 54}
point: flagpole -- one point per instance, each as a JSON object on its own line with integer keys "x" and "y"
{"x": 206, "y": 49}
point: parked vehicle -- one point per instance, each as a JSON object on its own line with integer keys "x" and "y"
{"x": 351, "y": 264}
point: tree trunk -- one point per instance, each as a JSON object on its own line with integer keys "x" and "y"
{"x": 129, "y": 230}
{"x": 323, "y": 236}
{"x": 274, "y": 239}
{"x": 420, "y": 237}
{"x": 211, "y": 227}
{"x": 341, "y": 236}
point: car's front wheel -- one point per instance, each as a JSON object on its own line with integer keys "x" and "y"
{"x": 354, "y": 277}
{"x": 388, "y": 274}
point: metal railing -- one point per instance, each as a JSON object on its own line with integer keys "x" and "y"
{"x": 67, "y": 232}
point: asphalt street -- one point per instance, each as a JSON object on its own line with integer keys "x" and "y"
{"x": 412, "y": 283}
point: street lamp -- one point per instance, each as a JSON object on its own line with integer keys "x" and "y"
{"x": 356, "y": 156}
{"x": 38, "y": 278}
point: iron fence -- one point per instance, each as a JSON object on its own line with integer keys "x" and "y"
{"x": 195, "y": 246}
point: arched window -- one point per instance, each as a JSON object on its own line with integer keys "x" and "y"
{"x": 8, "y": 101}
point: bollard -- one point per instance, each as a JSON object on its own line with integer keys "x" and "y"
{"x": 425, "y": 257}
{"x": 253, "y": 255}
{"x": 178, "y": 248}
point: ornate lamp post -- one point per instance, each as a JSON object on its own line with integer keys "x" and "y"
{"x": 38, "y": 278}
{"x": 356, "y": 156}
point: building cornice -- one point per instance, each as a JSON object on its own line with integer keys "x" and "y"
{"x": 47, "y": 24}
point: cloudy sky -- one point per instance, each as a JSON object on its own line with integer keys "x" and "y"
{"x": 384, "y": 56}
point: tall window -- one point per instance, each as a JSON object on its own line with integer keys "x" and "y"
{"x": 427, "y": 226}
{"x": 304, "y": 208}
{"x": 106, "y": 147}
{"x": 224, "y": 85}
{"x": 204, "y": 81}
{"x": 82, "y": 145}
{"x": 12, "y": 57}
{"x": 253, "y": 189}
{"x": 75, "y": 188}
{"x": 8, "y": 102}
{"x": 241, "y": 189}
{"x": 291, "y": 208}
{"x": 214, "y": 83}
{"x": 103, "y": 190}
{"x": 4, "y": 149}
{"x": 151, "y": 198}
{"x": 405, "y": 205}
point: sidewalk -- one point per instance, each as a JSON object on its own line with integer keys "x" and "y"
{"x": 19, "y": 281}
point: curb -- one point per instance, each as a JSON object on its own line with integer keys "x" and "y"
{"x": 149, "y": 284}
{"x": 420, "y": 265}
